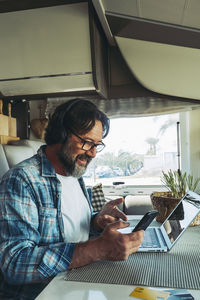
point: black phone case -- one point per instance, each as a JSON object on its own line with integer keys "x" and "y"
{"x": 146, "y": 220}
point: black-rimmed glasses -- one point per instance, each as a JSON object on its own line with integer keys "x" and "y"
{"x": 88, "y": 145}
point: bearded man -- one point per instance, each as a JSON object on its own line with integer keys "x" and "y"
{"x": 46, "y": 215}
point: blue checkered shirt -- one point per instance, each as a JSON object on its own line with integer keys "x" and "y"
{"x": 32, "y": 247}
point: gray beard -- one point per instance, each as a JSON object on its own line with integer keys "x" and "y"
{"x": 78, "y": 172}
{"x": 69, "y": 164}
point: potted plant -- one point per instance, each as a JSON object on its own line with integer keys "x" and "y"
{"x": 177, "y": 184}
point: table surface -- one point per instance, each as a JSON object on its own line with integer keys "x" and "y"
{"x": 61, "y": 289}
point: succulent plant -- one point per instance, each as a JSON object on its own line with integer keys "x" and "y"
{"x": 179, "y": 183}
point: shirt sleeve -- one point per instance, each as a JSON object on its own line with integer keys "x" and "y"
{"x": 29, "y": 252}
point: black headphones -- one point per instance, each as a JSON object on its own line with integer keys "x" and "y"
{"x": 72, "y": 103}
{"x": 68, "y": 106}
{"x": 56, "y": 131}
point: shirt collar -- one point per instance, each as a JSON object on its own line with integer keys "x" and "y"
{"x": 47, "y": 169}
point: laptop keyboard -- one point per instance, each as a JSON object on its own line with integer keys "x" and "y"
{"x": 150, "y": 239}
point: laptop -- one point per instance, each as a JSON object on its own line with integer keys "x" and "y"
{"x": 163, "y": 238}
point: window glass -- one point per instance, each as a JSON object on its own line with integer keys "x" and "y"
{"x": 136, "y": 152}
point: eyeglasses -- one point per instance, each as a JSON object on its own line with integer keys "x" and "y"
{"x": 87, "y": 145}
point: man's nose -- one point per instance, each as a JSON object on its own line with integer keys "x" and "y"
{"x": 92, "y": 152}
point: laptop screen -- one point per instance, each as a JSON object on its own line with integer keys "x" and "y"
{"x": 182, "y": 216}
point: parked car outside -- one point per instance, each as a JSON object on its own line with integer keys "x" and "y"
{"x": 118, "y": 172}
{"x": 104, "y": 172}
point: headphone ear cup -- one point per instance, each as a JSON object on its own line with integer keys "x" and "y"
{"x": 64, "y": 135}
{"x": 62, "y": 116}
{"x": 57, "y": 130}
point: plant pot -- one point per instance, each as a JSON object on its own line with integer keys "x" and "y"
{"x": 164, "y": 203}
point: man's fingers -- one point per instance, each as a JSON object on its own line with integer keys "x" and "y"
{"x": 107, "y": 219}
{"x": 120, "y": 215}
{"x": 117, "y": 212}
{"x": 116, "y": 201}
{"x": 137, "y": 236}
{"x": 119, "y": 224}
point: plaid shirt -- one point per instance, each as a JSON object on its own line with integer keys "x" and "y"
{"x": 32, "y": 247}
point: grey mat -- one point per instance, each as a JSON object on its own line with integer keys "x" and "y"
{"x": 179, "y": 268}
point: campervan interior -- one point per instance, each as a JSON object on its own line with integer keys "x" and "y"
{"x": 137, "y": 60}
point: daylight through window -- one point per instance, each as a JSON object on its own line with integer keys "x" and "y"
{"x": 137, "y": 150}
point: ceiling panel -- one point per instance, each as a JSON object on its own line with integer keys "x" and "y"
{"x": 126, "y": 7}
{"x": 159, "y": 40}
{"x": 179, "y": 12}
{"x": 169, "y": 11}
{"x": 192, "y": 14}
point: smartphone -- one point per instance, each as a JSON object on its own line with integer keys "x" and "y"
{"x": 146, "y": 220}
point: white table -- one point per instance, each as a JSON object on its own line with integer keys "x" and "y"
{"x": 60, "y": 289}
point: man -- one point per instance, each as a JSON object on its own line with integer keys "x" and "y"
{"x": 45, "y": 213}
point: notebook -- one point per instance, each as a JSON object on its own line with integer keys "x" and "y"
{"x": 163, "y": 238}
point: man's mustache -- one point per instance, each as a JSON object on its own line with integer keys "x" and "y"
{"x": 84, "y": 156}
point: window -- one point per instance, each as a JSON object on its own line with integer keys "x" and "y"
{"x": 137, "y": 150}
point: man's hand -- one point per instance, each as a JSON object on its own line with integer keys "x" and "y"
{"x": 111, "y": 245}
{"x": 110, "y": 213}
{"x": 118, "y": 246}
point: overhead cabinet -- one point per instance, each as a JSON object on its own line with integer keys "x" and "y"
{"x": 45, "y": 50}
